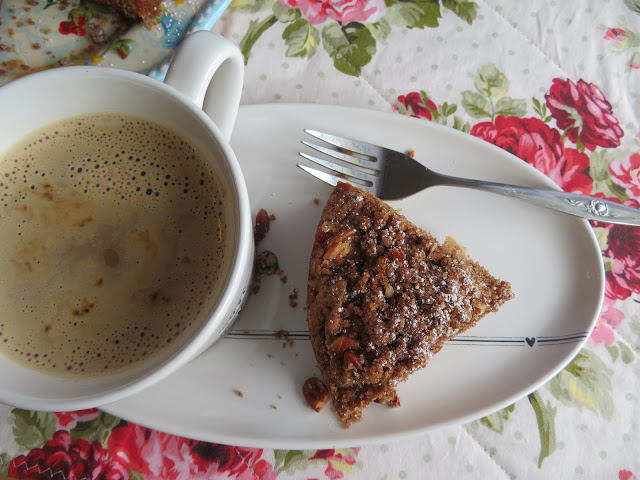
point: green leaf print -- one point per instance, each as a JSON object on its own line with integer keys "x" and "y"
{"x": 122, "y": 47}
{"x": 633, "y": 5}
{"x": 541, "y": 110}
{"x": 380, "y": 30}
{"x": 496, "y": 420}
{"x": 491, "y": 82}
{"x": 134, "y": 475}
{"x": 32, "y": 429}
{"x": 464, "y": 9}
{"x": 460, "y": 124}
{"x": 302, "y": 39}
{"x": 476, "y": 104}
{"x": 621, "y": 350}
{"x": 253, "y": 6}
{"x": 5, "y": 460}
{"x": 599, "y": 172}
{"x": 351, "y": 47}
{"x": 585, "y": 383}
{"x": 290, "y": 460}
{"x": 256, "y": 29}
{"x": 635, "y": 324}
{"x": 286, "y": 14}
{"x": 414, "y": 14}
{"x": 628, "y": 355}
{"x": 545, "y": 416}
{"x": 97, "y": 429}
{"x": 613, "y": 350}
{"x": 508, "y": 106}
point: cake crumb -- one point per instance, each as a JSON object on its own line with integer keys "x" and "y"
{"x": 316, "y": 201}
{"x": 273, "y": 407}
{"x": 284, "y": 334}
{"x": 262, "y": 225}
{"x": 239, "y": 393}
{"x": 411, "y": 153}
{"x": 265, "y": 263}
{"x": 293, "y": 298}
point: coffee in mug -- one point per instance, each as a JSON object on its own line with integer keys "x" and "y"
{"x": 113, "y": 238}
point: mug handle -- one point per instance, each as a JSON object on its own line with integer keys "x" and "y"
{"x": 209, "y": 69}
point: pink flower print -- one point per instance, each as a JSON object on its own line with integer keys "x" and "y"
{"x": 155, "y": 454}
{"x": 339, "y": 461}
{"x": 609, "y": 319}
{"x": 627, "y": 174}
{"x": 618, "y": 36}
{"x": 342, "y": 11}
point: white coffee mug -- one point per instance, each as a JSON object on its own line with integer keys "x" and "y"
{"x": 199, "y": 99}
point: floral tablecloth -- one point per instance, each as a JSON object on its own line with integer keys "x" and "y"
{"x": 556, "y": 83}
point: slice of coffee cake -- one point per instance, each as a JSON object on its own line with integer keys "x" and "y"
{"x": 383, "y": 297}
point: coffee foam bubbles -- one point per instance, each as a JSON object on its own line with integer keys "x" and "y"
{"x": 113, "y": 234}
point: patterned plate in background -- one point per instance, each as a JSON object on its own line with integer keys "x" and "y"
{"x": 40, "y": 34}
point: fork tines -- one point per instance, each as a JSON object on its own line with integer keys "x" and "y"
{"x": 362, "y": 155}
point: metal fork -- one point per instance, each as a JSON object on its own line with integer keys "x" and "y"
{"x": 391, "y": 175}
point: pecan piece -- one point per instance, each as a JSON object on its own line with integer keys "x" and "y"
{"x": 323, "y": 231}
{"x": 351, "y": 361}
{"x": 339, "y": 245}
{"x": 342, "y": 343}
{"x": 315, "y": 393}
{"x": 396, "y": 254}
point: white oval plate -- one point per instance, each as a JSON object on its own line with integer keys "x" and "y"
{"x": 552, "y": 261}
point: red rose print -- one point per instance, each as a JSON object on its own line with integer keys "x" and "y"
{"x": 623, "y": 247}
{"x": 623, "y": 241}
{"x": 584, "y": 114}
{"x": 62, "y": 457}
{"x": 536, "y": 143}
{"x": 68, "y": 420}
{"x": 156, "y": 454}
{"x": 420, "y": 106}
{"x": 627, "y": 174}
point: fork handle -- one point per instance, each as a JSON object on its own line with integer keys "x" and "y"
{"x": 591, "y": 208}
